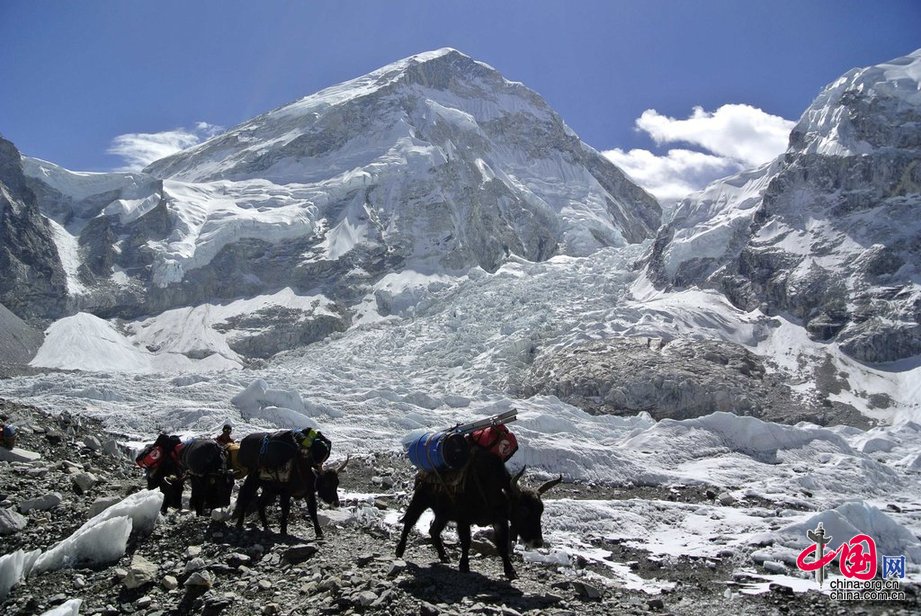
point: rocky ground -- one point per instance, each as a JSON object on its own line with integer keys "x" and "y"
{"x": 190, "y": 565}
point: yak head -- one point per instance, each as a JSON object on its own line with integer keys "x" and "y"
{"x": 526, "y": 509}
{"x": 328, "y": 483}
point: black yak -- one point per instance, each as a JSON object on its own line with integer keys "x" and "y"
{"x": 482, "y": 493}
{"x": 161, "y": 466}
{"x": 169, "y": 461}
{"x": 280, "y": 465}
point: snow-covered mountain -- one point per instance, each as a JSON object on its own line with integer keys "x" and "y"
{"x": 828, "y": 233}
{"x": 433, "y": 164}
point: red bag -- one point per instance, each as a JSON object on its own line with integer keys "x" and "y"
{"x": 152, "y": 459}
{"x": 498, "y": 440}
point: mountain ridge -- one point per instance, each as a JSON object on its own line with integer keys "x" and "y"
{"x": 827, "y": 232}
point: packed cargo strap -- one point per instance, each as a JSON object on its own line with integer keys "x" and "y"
{"x": 502, "y": 418}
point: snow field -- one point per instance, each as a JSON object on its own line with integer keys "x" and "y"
{"x": 468, "y": 339}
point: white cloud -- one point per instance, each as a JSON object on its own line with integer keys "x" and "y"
{"x": 675, "y": 175}
{"x": 740, "y": 132}
{"x": 734, "y": 137}
{"x": 140, "y": 149}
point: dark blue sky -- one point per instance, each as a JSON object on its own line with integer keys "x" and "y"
{"x": 73, "y": 75}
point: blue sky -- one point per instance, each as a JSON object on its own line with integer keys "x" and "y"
{"x": 625, "y": 75}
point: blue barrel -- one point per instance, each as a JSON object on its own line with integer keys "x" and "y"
{"x": 438, "y": 451}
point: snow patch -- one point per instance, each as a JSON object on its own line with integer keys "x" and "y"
{"x": 104, "y": 537}
{"x": 14, "y": 568}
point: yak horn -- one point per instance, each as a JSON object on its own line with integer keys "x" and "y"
{"x": 344, "y": 464}
{"x": 518, "y": 476}
{"x": 549, "y": 484}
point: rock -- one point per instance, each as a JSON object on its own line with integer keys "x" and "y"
{"x": 111, "y": 448}
{"x": 362, "y": 560}
{"x": 143, "y": 603}
{"x": 201, "y": 579}
{"x": 215, "y": 606}
{"x": 11, "y": 522}
{"x": 41, "y": 503}
{"x": 587, "y": 590}
{"x": 236, "y": 559}
{"x": 656, "y": 604}
{"x": 299, "y": 553}
{"x": 271, "y": 609}
{"x": 220, "y": 515}
{"x": 427, "y": 609}
{"x": 91, "y": 442}
{"x": 54, "y": 436}
{"x": 726, "y": 499}
{"x": 485, "y": 548}
{"x": 194, "y": 565}
{"x": 366, "y": 598}
{"x": 332, "y": 584}
{"x": 18, "y": 455}
{"x": 120, "y": 572}
{"x": 83, "y": 482}
{"x": 265, "y": 585}
{"x": 140, "y": 573}
{"x": 772, "y": 566}
{"x": 397, "y": 567}
{"x": 780, "y": 589}
{"x": 192, "y": 551}
{"x": 334, "y": 517}
{"x": 169, "y": 582}
{"x": 101, "y": 504}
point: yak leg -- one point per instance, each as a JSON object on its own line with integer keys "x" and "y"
{"x": 463, "y": 533}
{"x": 196, "y": 500}
{"x": 312, "y": 510}
{"x": 412, "y": 515}
{"x": 503, "y": 545}
{"x": 285, "y": 510}
{"x": 266, "y": 497}
{"x": 247, "y": 492}
{"x": 438, "y": 525}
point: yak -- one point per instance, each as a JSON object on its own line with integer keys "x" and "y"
{"x": 280, "y": 466}
{"x": 162, "y": 470}
{"x": 482, "y": 493}
{"x": 169, "y": 461}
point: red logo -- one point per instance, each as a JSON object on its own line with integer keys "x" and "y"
{"x": 856, "y": 558}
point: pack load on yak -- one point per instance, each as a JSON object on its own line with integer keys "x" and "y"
{"x": 170, "y": 460}
{"x": 450, "y": 449}
{"x": 288, "y": 464}
{"x": 480, "y": 492}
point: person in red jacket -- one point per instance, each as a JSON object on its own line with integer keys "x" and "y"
{"x": 224, "y": 437}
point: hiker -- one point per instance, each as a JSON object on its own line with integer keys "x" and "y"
{"x": 8, "y": 436}
{"x": 224, "y": 437}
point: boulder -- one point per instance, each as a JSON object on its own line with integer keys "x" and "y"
{"x": 141, "y": 573}
{"x": 11, "y": 522}
{"x": 18, "y": 455}
{"x": 101, "y": 504}
{"x": 41, "y": 503}
{"x": 83, "y": 482}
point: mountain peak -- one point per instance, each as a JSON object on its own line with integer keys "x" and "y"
{"x": 856, "y": 113}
